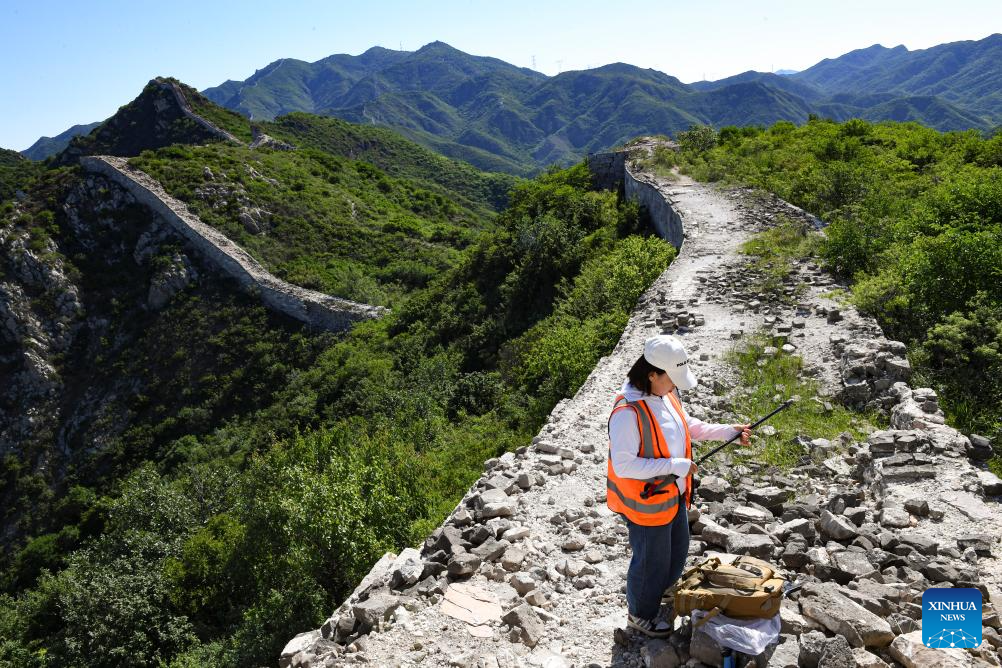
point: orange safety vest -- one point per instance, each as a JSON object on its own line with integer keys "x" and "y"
{"x": 624, "y": 495}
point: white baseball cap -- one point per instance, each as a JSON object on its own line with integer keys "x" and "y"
{"x": 667, "y": 352}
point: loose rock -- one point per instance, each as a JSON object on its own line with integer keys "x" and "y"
{"x": 525, "y": 620}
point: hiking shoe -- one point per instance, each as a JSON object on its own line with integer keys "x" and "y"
{"x": 649, "y": 627}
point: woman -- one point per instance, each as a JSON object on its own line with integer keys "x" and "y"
{"x": 650, "y": 473}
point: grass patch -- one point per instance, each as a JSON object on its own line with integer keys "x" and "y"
{"x": 774, "y": 251}
{"x": 771, "y": 380}
{"x": 223, "y": 118}
{"x": 839, "y": 296}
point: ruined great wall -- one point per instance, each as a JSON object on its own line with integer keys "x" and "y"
{"x": 529, "y": 569}
{"x": 185, "y": 106}
{"x": 309, "y": 306}
{"x": 314, "y": 308}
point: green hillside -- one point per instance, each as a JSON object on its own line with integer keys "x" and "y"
{"x": 963, "y": 74}
{"x": 388, "y": 151}
{"x": 804, "y": 90}
{"x": 263, "y": 469}
{"x": 915, "y": 219}
{"x": 929, "y": 111}
{"x": 312, "y": 218}
{"x": 15, "y": 173}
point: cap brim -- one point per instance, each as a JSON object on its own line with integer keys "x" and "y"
{"x": 686, "y": 380}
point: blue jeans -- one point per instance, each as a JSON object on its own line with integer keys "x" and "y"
{"x": 658, "y": 561}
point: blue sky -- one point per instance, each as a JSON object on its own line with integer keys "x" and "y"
{"x": 67, "y": 62}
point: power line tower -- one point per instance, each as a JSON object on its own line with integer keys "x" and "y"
{"x": 534, "y": 62}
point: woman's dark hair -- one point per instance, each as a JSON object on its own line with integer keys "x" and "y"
{"x": 638, "y": 374}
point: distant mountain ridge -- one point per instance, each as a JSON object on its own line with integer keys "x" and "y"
{"x": 46, "y": 146}
{"x": 466, "y": 106}
{"x": 965, "y": 74}
{"x": 501, "y": 117}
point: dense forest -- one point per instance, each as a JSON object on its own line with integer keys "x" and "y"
{"x": 914, "y": 219}
{"x": 252, "y": 521}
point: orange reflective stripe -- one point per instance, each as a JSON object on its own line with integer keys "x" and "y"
{"x": 660, "y": 445}
{"x": 646, "y": 421}
{"x": 624, "y": 494}
{"x": 685, "y": 424}
{"x": 640, "y": 507}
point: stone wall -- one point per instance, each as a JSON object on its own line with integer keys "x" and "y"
{"x": 607, "y": 169}
{"x": 610, "y": 171}
{"x": 664, "y": 218}
{"x": 186, "y": 109}
{"x": 309, "y": 306}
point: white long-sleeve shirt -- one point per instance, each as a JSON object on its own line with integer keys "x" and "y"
{"x": 625, "y": 437}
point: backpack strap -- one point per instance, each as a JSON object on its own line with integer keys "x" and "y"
{"x": 714, "y": 612}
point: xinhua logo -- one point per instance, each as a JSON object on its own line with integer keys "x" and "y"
{"x": 951, "y": 618}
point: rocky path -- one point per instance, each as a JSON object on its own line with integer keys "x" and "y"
{"x": 530, "y": 568}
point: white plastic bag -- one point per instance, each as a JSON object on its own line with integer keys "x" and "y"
{"x": 748, "y": 636}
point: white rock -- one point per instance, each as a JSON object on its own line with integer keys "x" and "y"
{"x": 909, "y": 650}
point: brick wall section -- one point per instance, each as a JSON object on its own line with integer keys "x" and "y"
{"x": 309, "y": 306}
{"x": 609, "y": 171}
{"x": 644, "y": 191}
{"x": 182, "y": 102}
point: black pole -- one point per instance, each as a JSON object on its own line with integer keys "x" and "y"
{"x": 650, "y": 489}
{"x": 782, "y": 406}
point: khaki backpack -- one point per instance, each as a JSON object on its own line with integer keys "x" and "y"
{"x": 746, "y": 588}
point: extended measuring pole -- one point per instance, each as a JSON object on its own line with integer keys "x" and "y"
{"x": 782, "y": 406}
{"x": 652, "y": 489}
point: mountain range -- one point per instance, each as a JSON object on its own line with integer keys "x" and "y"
{"x": 46, "y": 146}
{"x": 501, "y": 117}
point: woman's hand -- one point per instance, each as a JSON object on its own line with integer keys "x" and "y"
{"x": 745, "y": 430}
{"x": 682, "y": 467}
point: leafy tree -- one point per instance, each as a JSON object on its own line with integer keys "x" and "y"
{"x": 697, "y": 139}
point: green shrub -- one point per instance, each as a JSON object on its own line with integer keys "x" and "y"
{"x": 697, "y": 139}
{"x": 915, "y": 218}
{"x": 961, "y": 356}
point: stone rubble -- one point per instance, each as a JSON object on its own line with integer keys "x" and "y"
{"x": 891, "y": 516}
